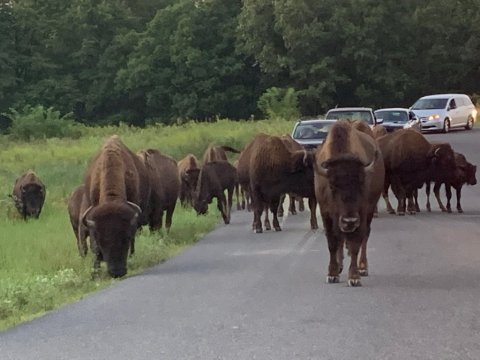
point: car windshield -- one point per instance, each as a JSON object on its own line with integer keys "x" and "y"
{"x": 430, "y": 104}
{"x": 392, "y": 116}
{"x": 312, "y": 131}
{"x": 350, "y": 115}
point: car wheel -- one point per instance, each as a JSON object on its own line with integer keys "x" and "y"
{"x": 446, "y": 126}
{"x": 469, "y": 125}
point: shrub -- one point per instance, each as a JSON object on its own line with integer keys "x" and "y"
{"x": 39, "y": 123}
{"x": 279, "y": 103}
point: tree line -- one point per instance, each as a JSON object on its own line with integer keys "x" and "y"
{"x": 140, "y": 61}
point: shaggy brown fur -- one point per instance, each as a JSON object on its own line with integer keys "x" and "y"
{"x": 77, "y": 205}
{"x": 349, "y": 175}
{"x": 29, "y": 195}
{"x": 410, "y": 161}
{"x": 217, "y": 153}
{"x": 188, "y": 179}
{"x": 165, "y": 186}
{"x": 117, "y": 187}
{"x": 275, "y": 170}
{"x": 379, "y": 131}
{"x": 214, "y": 178}
{"x": 363, "y": 126}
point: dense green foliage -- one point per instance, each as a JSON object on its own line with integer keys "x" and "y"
{"x": 40, "y": 268}
{"x": 169, "y": 60}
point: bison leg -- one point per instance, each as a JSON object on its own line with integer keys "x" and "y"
{"x": 301, "y": 205}
{"x": 222, "y": 206}
{"x": 436, "y": 191}
{"x": 229, "y": 203}
{"x": 458, "y": 191}
{"x": 334, "y": 245}
{"x": 400, "y": 194}
{"x": 340, "y": 255}
{"x": 169, "y": 216}
{"x": 280, "y": 210}
{"x": 291, "y": 206}
{"x": 266, "y": 222}
{"x": 411, "y": 204}
{"x": 386, "y": 186}
{"x": 448, "y": 192}
{"x": 273, "y": 207}
{"x": 415, "y": 198}
{"x": 82, "y": 240}
{"x": 237, "y": 194}
{"x": 353, "y": 273}
{"x": 312, "y": 204}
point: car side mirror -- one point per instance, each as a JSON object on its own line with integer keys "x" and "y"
{"x": 378, "y": 121}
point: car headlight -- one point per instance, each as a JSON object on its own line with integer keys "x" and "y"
{"x": 474, "y": 113}
{"x": 433, "y": 117}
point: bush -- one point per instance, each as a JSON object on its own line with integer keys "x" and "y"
{"x": 40, "y": 123}
{"x": 279, "y": 103}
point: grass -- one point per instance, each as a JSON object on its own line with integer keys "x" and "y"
{"x": 40, "y": 268}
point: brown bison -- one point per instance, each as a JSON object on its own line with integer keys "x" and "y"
{"x": 213, "y": 179}
{"x": 164, "y": 185}
{"x": 410, "y": 161}
{"x": 29, "y": 195}
{"x": 188, "y": 179}
{"x": 379, "y": 131}
{"x": 77, "y": 205}
{"x": 118, "y": 190}
{"x": 349, "y": 175}
{"x": 217, "y": 153}
{"x": 275, "y": 170}
{"x": 464, "y": 174}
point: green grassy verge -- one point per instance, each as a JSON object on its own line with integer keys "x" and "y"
{"x": 40, "y": 268}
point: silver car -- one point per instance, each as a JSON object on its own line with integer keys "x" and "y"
{"x": 445, "y": 111}
{"x": 398, "y": 118}
{"x": 311, "y": 133}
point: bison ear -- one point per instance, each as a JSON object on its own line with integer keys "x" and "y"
{"x": 322, "y": 168}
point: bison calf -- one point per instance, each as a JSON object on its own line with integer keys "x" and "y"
{"x": 77, "y": 205}
{"x": 214, "y": 178}
{"x": 29, "y": 195}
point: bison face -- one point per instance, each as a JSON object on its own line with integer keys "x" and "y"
{"x": 33, "y": 197}
{"x": 112, "y": 227}
{"x": 200, "y": 205}
{"x": 346, "y": 179}
{"x": 470, "y": 172}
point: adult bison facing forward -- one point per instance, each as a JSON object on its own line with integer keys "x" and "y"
{"x": 29, "y": 195}
{"x": 349, "y": 174}
{"x": 117, "y": 188}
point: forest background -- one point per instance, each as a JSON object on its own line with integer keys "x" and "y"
{"x": 167, "y": 61}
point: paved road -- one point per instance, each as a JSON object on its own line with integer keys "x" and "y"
{"x": 237, "y": 295}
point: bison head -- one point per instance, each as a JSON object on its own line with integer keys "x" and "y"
{"x": 33, "y": 197}
{"x": 470, "y": 173}
{"x": 346, "y": 177}
{"x": 112, "y": 227}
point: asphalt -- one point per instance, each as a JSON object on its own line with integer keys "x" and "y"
{"x": 239, "y": 295}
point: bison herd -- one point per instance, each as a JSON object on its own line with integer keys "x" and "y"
{"x": 122, "y": 191}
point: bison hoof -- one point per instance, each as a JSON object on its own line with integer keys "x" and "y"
{"x": 354, "y": 282}
{"x": 278, "y": 228}
{"x": 412, "y": 212}
{"x": 293, "y": 212}
{"x": 449, "y": 211}
{"x": 391, "y": 211}
{"x": 401, "y": 213}
{"x": 444, "y": 210}
{"x": 333, "y": 279}
{"x": 460, "y": 210}
{"x": 314, "y": 227}
{"x": 257, "y": 231}
{"x": 363, "y": 272}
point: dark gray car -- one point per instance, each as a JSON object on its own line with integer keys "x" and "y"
{"x": 398, "y": 118}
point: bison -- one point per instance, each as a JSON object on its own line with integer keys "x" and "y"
{"x": 464, "y": 174}
{"x": 29, "y": 195}
{"x": 217, "y": 153}
{"x": 410, "y": 160}
{"x": 117, "y": 188}
{"x": 77, "y": 205}
{"x": 379, "y": 131}
{"x": 188, "y": 178}
{"x": 275, "y": 170}
{"x": 349, "y": 175}
{"x": 213, "y": 179}
{"x": 164, "y": 184}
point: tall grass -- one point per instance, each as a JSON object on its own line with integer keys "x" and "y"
{"x": 40, "y": 268}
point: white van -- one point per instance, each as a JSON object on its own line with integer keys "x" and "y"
{"x": 445, "y": 111}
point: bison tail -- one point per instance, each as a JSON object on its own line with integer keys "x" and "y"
{"x": 228, "y": 148}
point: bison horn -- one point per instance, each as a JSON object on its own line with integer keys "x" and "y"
{"x": 436, "y": 151}
{"x": 369, "y": 167}
{"x": 137, "y": 208}
{"x": 83, "y": 219}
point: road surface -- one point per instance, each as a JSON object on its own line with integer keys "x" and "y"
{"x": 239, "y": 295}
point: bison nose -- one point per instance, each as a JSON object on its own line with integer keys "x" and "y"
{"x": 117, "y": 272}
{"x": 349, "y": 223}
